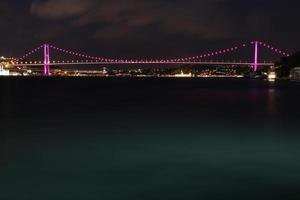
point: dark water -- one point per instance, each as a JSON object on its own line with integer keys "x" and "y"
{"x": 116, "y": 139}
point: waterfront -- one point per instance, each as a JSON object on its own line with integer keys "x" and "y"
{"x": 129, "y": 138}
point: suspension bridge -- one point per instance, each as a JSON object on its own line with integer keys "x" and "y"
{"x": 94, "y": 60}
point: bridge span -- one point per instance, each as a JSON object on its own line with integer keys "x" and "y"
{"x": 145, "y": 63}
{"x": 84, "y": 59}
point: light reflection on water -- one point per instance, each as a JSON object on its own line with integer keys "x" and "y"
{"x": 151, "y": 139}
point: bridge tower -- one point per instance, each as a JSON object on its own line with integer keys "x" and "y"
{"x": 47, "y": 60}
{"x": 255, "y": 64}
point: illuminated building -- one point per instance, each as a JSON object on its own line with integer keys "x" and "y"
{"x": 295, "y": 74}
{"x": 272, "y": 76}
{"x": 182, "y": 75}
{"x": 3, "y": 72}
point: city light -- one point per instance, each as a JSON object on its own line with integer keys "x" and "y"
{"x": 3, "y": 72}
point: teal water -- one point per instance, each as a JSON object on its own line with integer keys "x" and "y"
{"x": 148, "y": 139}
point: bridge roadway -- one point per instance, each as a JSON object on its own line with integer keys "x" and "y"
{"x": 142, "y": 62}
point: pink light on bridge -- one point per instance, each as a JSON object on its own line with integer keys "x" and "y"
{"x": 275, "y": 50}
{"x": 46, "y": 60}
{"x": 255, "y": 56}
{"x": 164, "y": 60}
{"x": 29, "y": 53}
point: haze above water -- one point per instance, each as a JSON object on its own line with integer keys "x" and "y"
{"x": 85, "y": 138}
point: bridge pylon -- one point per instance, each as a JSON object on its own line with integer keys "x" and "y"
{"x": 255, "y": 64}
{"x": 47, "y": 60}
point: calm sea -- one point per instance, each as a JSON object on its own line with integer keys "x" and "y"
{"x": 149, "y": 139}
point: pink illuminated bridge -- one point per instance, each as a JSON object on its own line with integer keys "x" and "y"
{"x": 84, "y": 59}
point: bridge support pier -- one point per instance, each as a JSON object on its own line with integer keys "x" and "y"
{"x": 255, "y": 64}
{"x": 47, "y": 60}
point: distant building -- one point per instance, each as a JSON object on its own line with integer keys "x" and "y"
{"x": 182, "y": 75}
{"x": 3, "y": 72}
{"x": 295, "y": 74}
{"x": 272, "y": 76}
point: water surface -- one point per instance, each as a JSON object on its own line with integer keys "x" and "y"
{"x": 88, "y": 138}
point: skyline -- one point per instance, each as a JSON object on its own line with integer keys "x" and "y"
{"x": 139, "y": 28}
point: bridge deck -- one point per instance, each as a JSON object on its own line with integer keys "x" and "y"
{"x": 146, "y": 63}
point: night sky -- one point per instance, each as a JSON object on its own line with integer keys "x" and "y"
{"x": 151, "y": 28}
